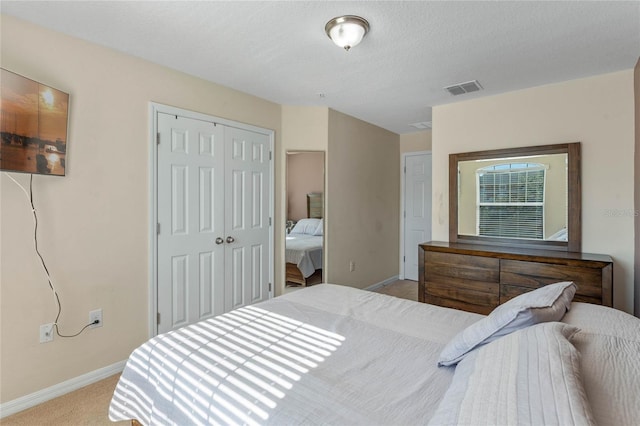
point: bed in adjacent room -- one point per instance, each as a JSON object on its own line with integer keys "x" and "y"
{"x": 332, "y": 354}
{"x": 303, "y": 251}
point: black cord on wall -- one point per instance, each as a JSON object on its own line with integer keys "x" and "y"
{"x": 44, "y": 265}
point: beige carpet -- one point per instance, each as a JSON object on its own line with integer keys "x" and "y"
{"x": 86, "y": 406}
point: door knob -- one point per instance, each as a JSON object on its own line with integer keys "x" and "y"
{"x": 219, "y": 240}
{"x": 230, "y": 239}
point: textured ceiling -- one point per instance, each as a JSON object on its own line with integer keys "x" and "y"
{"x": 278, "y": 50}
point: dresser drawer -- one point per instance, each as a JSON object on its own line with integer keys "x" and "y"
{"x": 442, "y": 266}
{"x": 456, "y": 304}
{"x": 456, "y": 293}
{"x": 532, "y": 275}
{"x": 508, "y": 292}
{"x": 461, "y": 281}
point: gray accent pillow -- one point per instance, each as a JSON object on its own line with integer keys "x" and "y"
{"x": 545, "y": 304}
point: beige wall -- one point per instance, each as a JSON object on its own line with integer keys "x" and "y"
{"x": 555, "y": 196}
{"x": 417, "y": 141}
{"x": 93, "y": 222}
{"x": 304, "y": 128}
{"x": 305, "y": 174}
{"x": 636, "y": 78}
{"x": 363, "y": 195}
{"x": 596, "y": 111}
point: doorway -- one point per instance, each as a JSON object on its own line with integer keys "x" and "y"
{"x": 304, "y": 239}
{"x": 416, "y": 205}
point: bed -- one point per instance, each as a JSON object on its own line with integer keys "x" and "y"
{"x": 332, "y": 354}
{"x": 303, "y": 252}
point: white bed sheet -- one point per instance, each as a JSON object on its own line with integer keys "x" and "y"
{"x": 609, "y": 346}
{"x": 310, "y": 357}
{"x": 330, "y": 354}
{"x": 305, "y": 251}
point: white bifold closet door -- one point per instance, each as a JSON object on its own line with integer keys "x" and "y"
{"x": 213, "y": 216}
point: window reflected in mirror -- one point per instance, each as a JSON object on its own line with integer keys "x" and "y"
{"x": 517, "y": 197}
{"x": 525, "y": 196}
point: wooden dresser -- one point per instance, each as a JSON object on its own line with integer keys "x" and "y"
{"x": 477, "y": 278}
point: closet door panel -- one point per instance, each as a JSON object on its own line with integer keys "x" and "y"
{"x": 247, "y": 169}
{"x": 190, "y": 180}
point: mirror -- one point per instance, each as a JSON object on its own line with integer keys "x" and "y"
{"x": 528, "y": 197}
{"x": 304, "y": 240}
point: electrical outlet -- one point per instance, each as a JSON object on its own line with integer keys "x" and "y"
{"x": 93, "y": 316}
{"x": 352, "y": 266}
{"x": 46, "y": 333}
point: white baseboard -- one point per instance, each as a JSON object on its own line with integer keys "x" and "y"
{"x": 31, "y": 400}
{"x": 381, "y": 284}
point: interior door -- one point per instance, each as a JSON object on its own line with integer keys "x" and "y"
{"x": 190, "y": 216}
{"x": 247, "y": 177}
{"x": 417, "y": 209}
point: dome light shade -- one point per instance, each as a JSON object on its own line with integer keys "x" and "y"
{"x": 347, "y": 31}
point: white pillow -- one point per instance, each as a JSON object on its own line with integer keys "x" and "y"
{"x": 306, "y": 226}
{"x": 320, "y": 229}
{"x": 531, "y": 377}
{"x": 548, "y": 303}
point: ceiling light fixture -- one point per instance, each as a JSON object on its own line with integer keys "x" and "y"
{"x": 347, "y": 31}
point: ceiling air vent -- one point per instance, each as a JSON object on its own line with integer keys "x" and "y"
{"x": 461, "y": 88}
{"x": 422, "y": 125}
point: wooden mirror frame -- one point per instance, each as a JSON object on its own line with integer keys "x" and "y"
{"x": 574, "y": 190}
